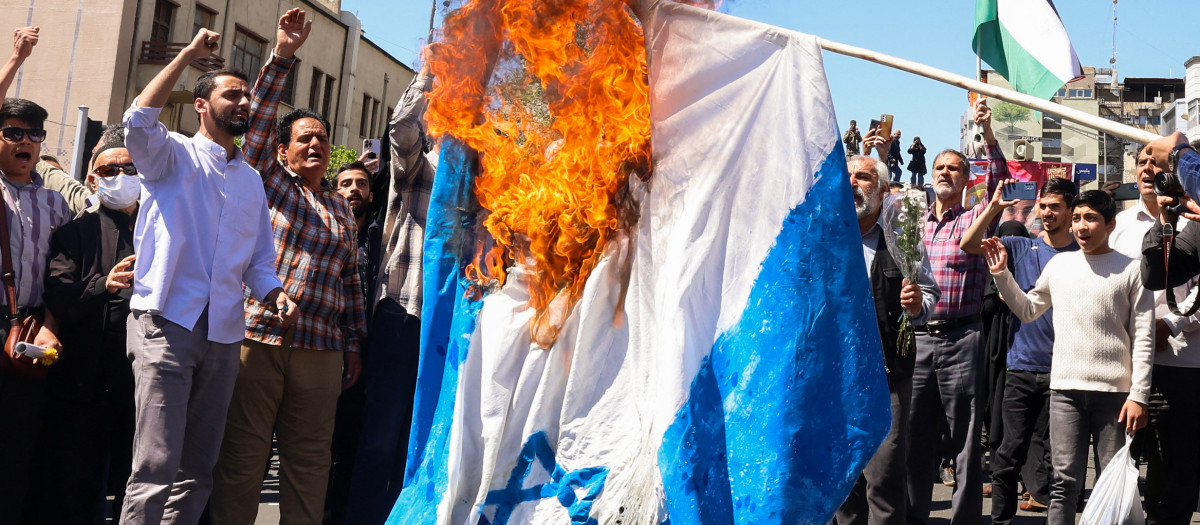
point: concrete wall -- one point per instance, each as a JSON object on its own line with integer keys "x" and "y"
{"x": 82, "y": 58}
{"x": 379, "y": 78}
{"x": 1192, "y": 96}
{"x": 90, "y": 51}
{"x": 1085, "y": 148}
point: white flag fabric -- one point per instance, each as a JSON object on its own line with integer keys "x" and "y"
{"x": 723, "y": 364}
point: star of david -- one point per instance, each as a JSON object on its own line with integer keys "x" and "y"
{"x": 561, "y": 486}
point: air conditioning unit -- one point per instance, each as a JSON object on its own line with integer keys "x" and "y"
{"x": 1158, "y": 100}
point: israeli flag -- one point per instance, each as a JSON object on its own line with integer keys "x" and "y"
{"x": 723, "y": 364}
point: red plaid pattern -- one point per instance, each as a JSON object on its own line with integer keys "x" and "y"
{"x": 314, "y": 234}
{"x": 960, "y": 275}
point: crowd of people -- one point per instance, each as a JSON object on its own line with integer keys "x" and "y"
{"x": 197, "y": 298}
{"x": 1031, "y": 349}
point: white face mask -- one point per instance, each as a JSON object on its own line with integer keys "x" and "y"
{"x": 118, "y": 192}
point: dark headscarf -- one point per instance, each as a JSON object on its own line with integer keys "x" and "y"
{"x": 1012, "y": 228}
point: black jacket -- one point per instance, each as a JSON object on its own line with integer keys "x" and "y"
{"x": 368, "y": 273}
{"x": 91, "y": 320}
{"x": 886, "y": 283}
{"x": 1185, "y": 257}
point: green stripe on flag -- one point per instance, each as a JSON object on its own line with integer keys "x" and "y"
{"x": 996, "y": 46}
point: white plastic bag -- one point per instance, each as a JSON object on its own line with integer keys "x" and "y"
{"x": 1115, "y": 499}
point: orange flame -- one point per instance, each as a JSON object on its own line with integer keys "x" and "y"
{"x": 553, "y": 96}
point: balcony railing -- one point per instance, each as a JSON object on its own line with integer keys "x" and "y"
{"x": 162, "y": 53}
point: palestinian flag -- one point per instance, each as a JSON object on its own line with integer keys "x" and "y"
{"x": 1025, "y": 41}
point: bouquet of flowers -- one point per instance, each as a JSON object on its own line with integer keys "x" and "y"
{"x": 902, "y": 221}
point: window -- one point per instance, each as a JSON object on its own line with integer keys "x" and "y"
{"x": 328, "y": 99}
{"x": 160, "y": 28}
{"x": 314, "y": 89}
{"x": 289, "y": 89}
{"x": 248, "y": 52}
{"x": 203, "y": 19}
{"x": 1062, "y": 92}
{"x": 1079, "y": 93}
{"x": 375, "y": 119}
{"x": 364, "y": 122}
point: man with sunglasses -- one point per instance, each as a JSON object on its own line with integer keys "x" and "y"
{"x": 203, "y": 239}
{"x": 32, "y": 213}
{"x": 89, "y": 415}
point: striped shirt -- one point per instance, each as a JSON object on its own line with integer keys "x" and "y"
{"x": 33, "y": 213}
{"x": 961, "y": 275}
{"x": 408, "y": 201}
{"x": 314, "y": 234}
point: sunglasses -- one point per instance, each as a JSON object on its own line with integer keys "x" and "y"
{"x": 19, "y": 134}
{"x": 109, "y": 170}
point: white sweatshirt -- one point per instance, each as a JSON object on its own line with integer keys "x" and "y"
{"x": 1103, "y": 321}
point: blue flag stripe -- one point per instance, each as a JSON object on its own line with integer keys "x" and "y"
{"x": 781, "y": 419}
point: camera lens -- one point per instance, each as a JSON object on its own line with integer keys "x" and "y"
{"x": 1167, "y": 185}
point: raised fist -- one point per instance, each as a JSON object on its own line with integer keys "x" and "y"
{"x": 23, "y": 41}
{"x": 203, "y": 44}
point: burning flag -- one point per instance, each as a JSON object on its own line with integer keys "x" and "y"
{"x": 618, "y": 336}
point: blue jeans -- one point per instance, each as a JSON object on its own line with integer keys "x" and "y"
{"x": 917, "y": 179}
{"x": 1077, "y": 419}
{"x": 393, "y": 353}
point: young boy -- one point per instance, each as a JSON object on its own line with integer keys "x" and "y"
{"x": 1026, "y": 396}
{"x": 1103, "y": 326}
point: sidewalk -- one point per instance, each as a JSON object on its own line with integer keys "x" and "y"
{"x": 268, "y": 509}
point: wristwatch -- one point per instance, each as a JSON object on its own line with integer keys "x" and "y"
{"x": 1173, "y": 157}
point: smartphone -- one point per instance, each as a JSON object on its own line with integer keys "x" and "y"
{"x": 1019, "y": 191}
{"x": 371, "y": 148}
{"x": 1126, "y": 192}
{"x": 874, "y": 125}
{"x": 885, "y": 125}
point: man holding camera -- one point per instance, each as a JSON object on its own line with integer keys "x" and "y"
{"x": 1171, "y": 442}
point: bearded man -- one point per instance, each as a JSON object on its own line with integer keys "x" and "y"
{"x": 880, "y": 495}
{"x": 203, "y": 233}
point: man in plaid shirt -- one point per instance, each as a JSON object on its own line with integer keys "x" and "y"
{"x": 949, "y": 367}
{"x": 393, "y": 352}
{"x": 290, "y": 380}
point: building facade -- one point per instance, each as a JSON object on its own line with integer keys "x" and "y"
{"x": 102, "y": 53}
{"x": 1138, "y": 102}
{"x": 1192, "y": 98}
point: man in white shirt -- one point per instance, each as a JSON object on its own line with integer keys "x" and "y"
{"x": 1132, "y": 224}
{"x": 1171, "y": 442}
{"x": 202, "y": 232}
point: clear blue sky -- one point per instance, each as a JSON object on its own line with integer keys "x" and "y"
{"x": 1150, "y": 43}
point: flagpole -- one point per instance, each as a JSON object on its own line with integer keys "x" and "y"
{"x": 1092, "y": 121}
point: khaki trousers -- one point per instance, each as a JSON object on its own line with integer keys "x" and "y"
{"x": 292, "y": 392}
